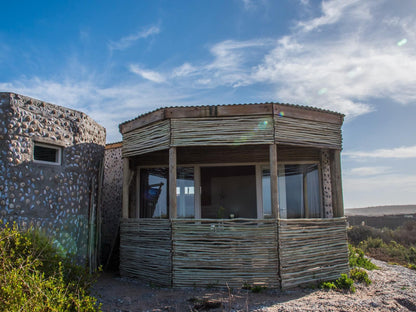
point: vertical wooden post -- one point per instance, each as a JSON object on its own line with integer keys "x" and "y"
{"x": 137, "y": 193}
{"x": 126, "y": 186}
{"x": 273, "y": 180}
{"x": 172, "y": 183}
{"x": 197, "y": 192}
{"x": 259, "y": 193}
{"x": 336, "y": 184}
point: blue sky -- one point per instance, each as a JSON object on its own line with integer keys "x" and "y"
{"x": 116, "y": 60}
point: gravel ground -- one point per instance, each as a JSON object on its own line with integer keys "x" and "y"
{"x": 393, "y": 289}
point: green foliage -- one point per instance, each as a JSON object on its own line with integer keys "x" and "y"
{"x": 356, "y": 258}
{"x": 391, "y": 252}
{"x": 360, "y": 276}
{"x": 34, "y": 276}
{"x": 342, "y": 283}
{"x": 328, "y": 285}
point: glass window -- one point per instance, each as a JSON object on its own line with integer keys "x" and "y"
{"x": 154, "y": 193}
{"x": 44, "y": 153}
{"x": 228, "y": 192}
{"x": 299, "y": 191}
{"x": 185, "y": 193}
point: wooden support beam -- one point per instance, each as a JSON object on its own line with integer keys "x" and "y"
{"x": 273, "y": 180}
{"x": 259, "y": 192}
{"x": 126, "y": 186}
{"x": 336, "y": 183}
{"x": 197, "y": 192}
{"x": 137, "y": 193}
{"x": 172, "y": 183}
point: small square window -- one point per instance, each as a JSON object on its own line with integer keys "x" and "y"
{"x": 47, "y": 154}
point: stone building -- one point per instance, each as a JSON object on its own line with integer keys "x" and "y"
{"x": 50, "y": 158}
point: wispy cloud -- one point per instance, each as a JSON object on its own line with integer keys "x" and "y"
{"x": 332, "y": 12}
{"x": 248, "y": 4}
{"x": 394, "y": 153}
{"x": 147, "y": 74}
{"x": 129, "y": 40}
{"x": 341, "y": 60}
{"x": 368, "y": 171}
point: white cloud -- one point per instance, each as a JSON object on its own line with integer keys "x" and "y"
{"x": 147, "y": 74}
{"x": 184, "y": 70}
{"x": 332, "y": 12}
{"x": 127, "y": 41}
{"x": 341, "y": 60}
{"x": 394, "y": 153}
{"x": 368, "y": 171}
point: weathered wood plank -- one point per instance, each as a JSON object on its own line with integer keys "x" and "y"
{"x": 150, "y": 138}
{"x": 172, "y": 183}
{"x": 307, "y": 113}
{"x": 312, "y": 250}
{"x": 336, "y": 183}
{"x": 222, "y": 131}
{"x": 224, "y": 252}
{"x": 307, "y": 133}
{"x": 145, "y": 250}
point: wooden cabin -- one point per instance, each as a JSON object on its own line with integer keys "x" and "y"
{"x": 232, "y": 195}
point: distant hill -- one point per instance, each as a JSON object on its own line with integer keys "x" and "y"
{"x": 381, "y": 211}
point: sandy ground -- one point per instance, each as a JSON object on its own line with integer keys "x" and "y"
{"x": 393, "y": 289}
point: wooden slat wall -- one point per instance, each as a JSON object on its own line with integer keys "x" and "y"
{"x": 307, "y": 132}
{"x": 153, "y": 137}
{"x": 224, "y": 252}
{"x": 312, "y": 250}
{"x": 145, "y": 250}
{"x": 220, "y": 131}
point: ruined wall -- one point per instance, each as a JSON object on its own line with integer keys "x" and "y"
{"x": 55, "y": 198}
{"x": 111, "y": 204}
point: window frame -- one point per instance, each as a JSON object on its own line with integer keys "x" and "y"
{"x": 259, "y": 166}
{"x": 58, "y": 155}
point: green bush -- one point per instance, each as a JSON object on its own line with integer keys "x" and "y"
{"x": 34, "y": 276}
{"x": 391, "y": 252}
{"x": 342, "y": 283}
{"x": 356, "y": 258}
{"x": 328, "y": 285}
{"x": 360, "y": 276}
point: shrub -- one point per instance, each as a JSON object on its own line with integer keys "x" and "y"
{"x": 34, "y": 276}
{"x": 356, "y": 258}
{"x": 328, "y": 285}
{"x": 360, "y": 276}
{"x": 344, "y": 282}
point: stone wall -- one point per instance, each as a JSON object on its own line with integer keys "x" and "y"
{"x": 55, "y": 198}
{"x": 111, "y": 205}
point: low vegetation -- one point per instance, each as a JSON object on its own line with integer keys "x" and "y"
{"x": 35, "y": 276}
{"x": 394, "y": 246}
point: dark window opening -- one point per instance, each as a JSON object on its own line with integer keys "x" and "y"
{"x": 228, "y": 192}
{"x": 47, "y": 154}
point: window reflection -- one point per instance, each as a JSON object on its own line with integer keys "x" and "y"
{"x": 154, "y": 193}
{"x": 185, "y": 193}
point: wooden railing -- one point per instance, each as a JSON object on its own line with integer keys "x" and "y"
{"x": 225, "y": 252}
{"x": 145, "y": 250}
{"x": 312, "y": 250}
{"x": 211, "y": 252}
